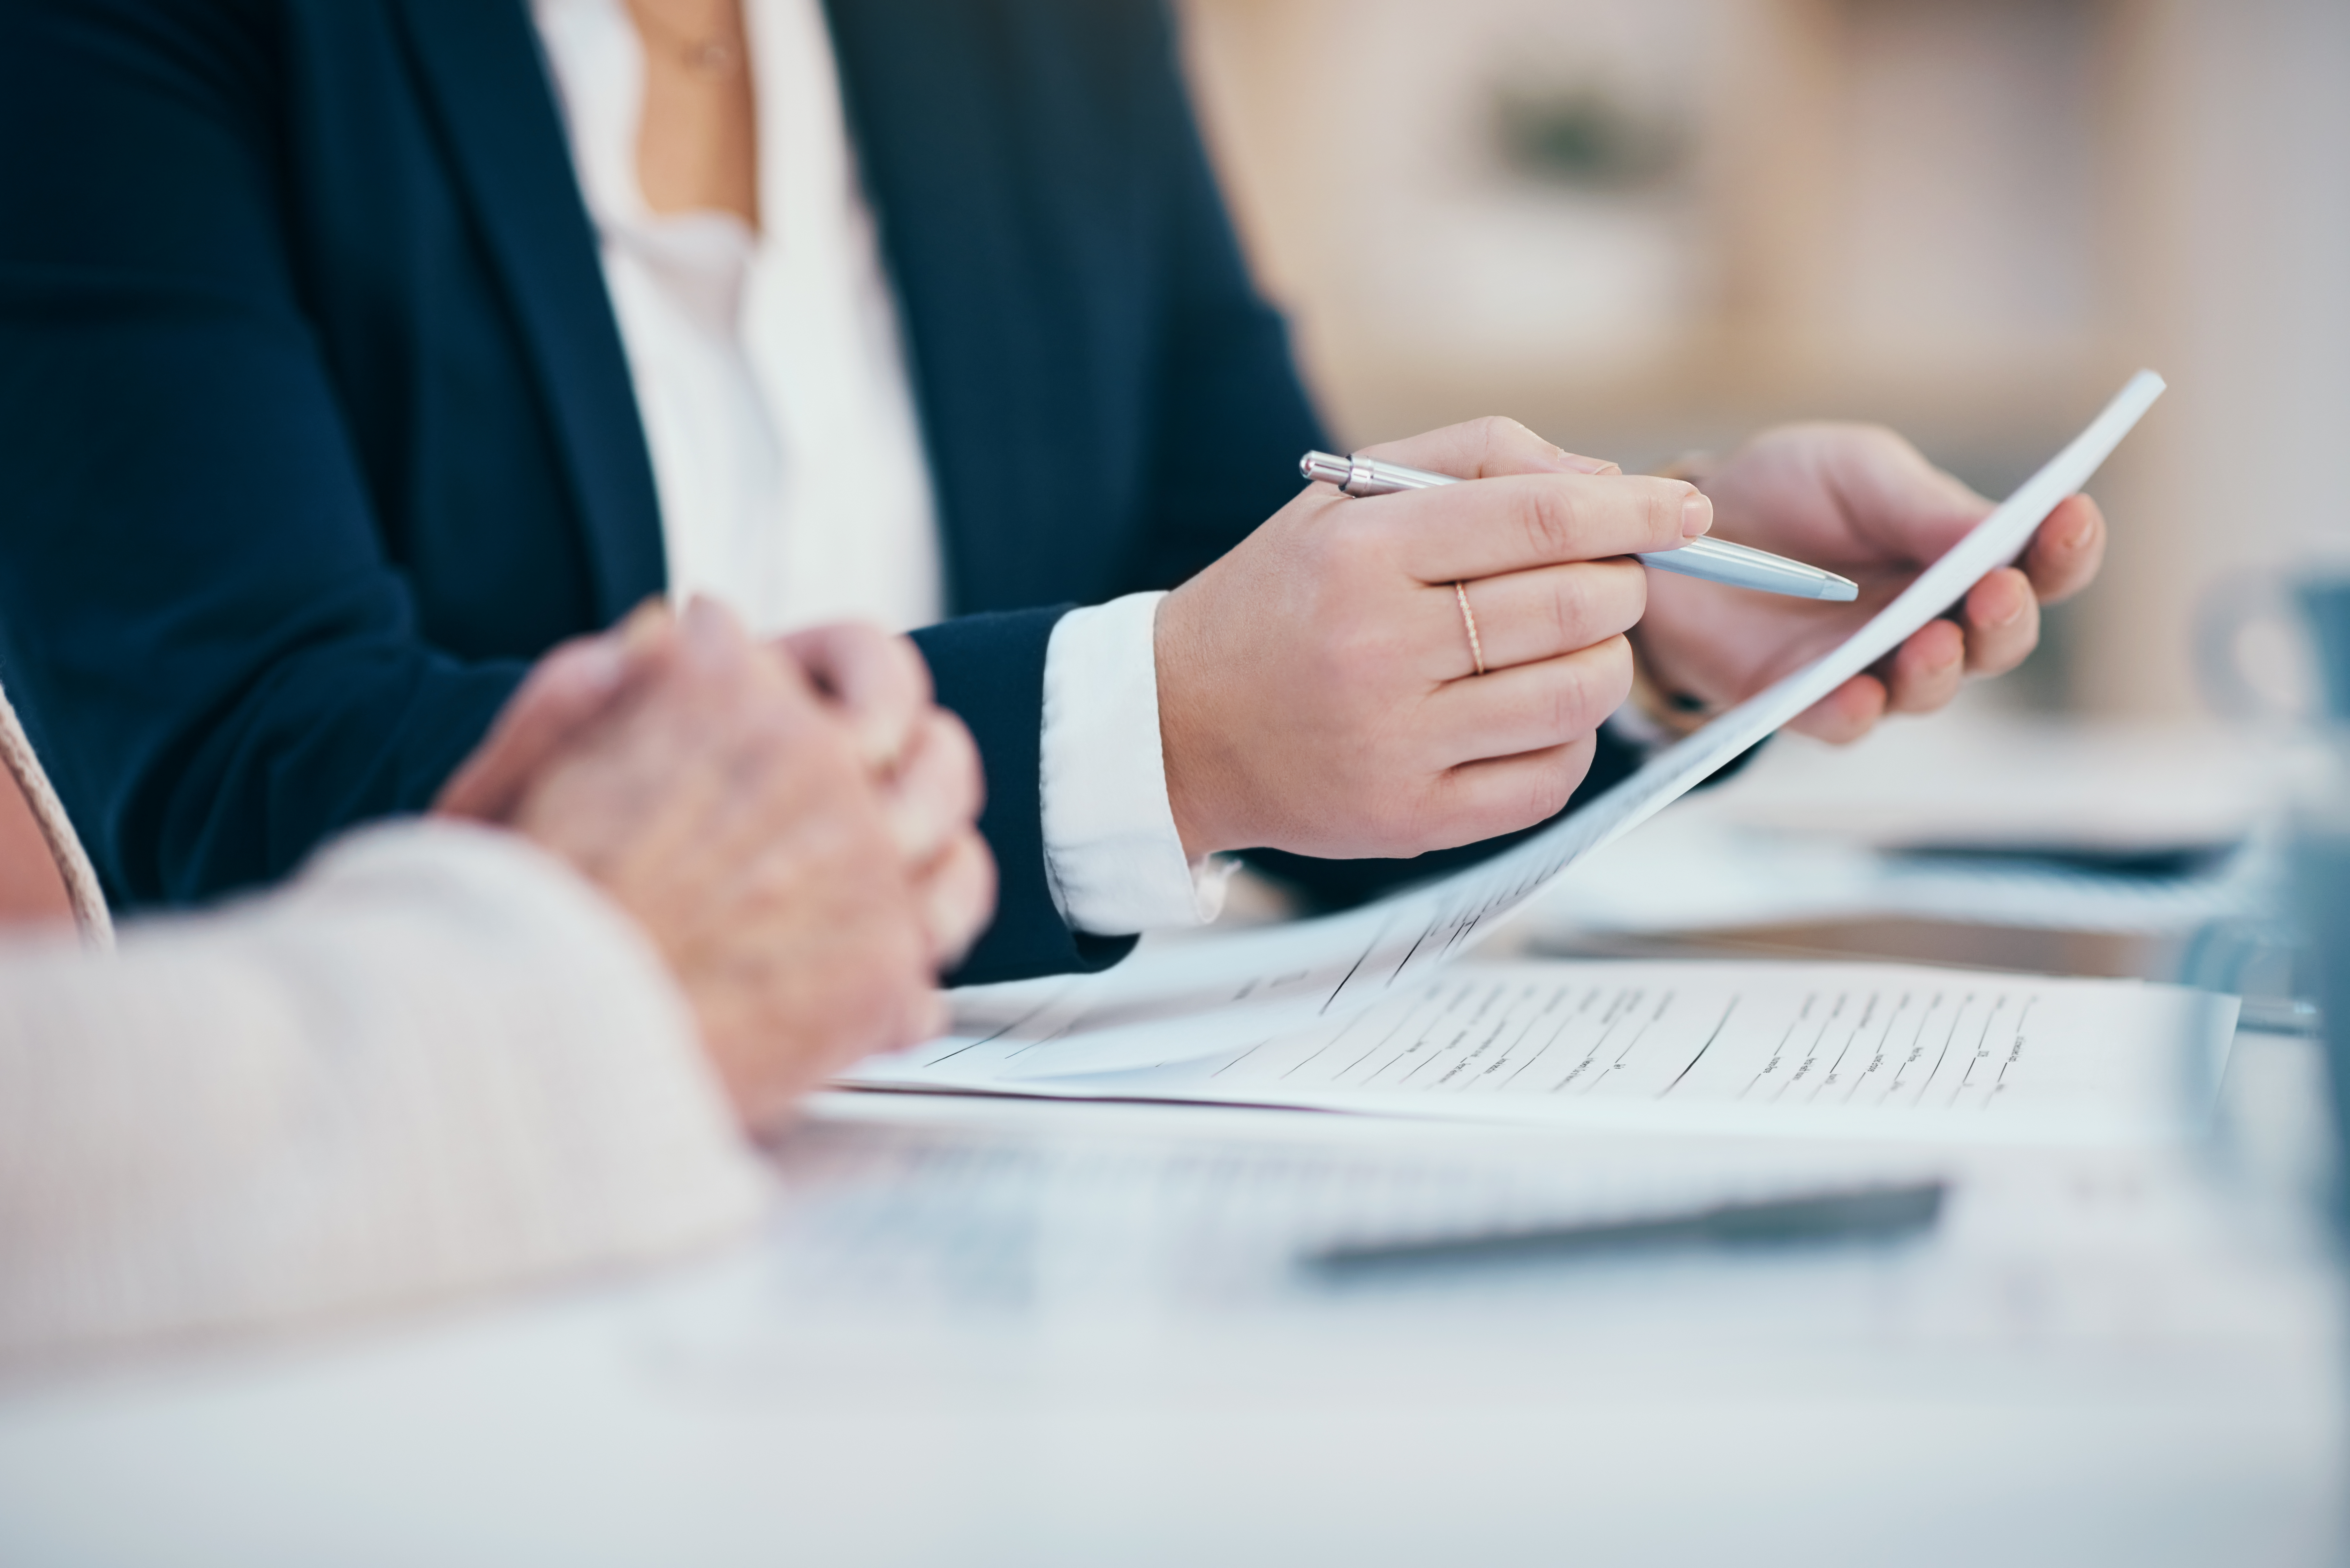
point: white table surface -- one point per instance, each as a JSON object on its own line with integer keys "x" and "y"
{"x": 2098, "y": 1358}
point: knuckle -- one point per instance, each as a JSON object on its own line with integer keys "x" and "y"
{"x": 1348, "y": 639}
{"x": 1552, "y": 521}
{"x": 1340, "y": 660}
{"x": 973, "y": 800}
{"x": 960, "y": 894}
{"x": 1569, "y": 606}
{"x": 915, "y": 669}
{"x": 1547, "y": 792}
{"x": 1498, "y": 436}
{"x": 900, "y": 669}
{"x": 1589, "y": 685}
{"x": 1555, "y": 785}
{"x": 1594, "y": 602}
{"x": 1540, "y": 792}
{"x": 978, "y": 882}
{"x": 1625, "y": 600}
{"x": 1567, "y": 698}
{"x": 958, "y": 760}
{"x": 1331, "y": 558}
{"x": 947, "y": 806}
{"x": 1610, "y": 677}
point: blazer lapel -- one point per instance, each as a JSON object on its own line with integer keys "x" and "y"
{"x": 923, "y": 83}
{"x": 488, "y": 86}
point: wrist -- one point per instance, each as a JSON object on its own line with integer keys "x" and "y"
{"x": 1114, "y": 861}
{"x": 1193, "y": 747}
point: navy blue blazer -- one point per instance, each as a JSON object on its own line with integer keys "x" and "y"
{"x": 316, "y": 426}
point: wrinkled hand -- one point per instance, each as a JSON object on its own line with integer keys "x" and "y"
{"x": 1861, "y": 501}
{"x": 926, "y": 765}
{"x": 920, "y": 757}
{"x": 708, "y": 787}
{"x": 1316, "y": 689}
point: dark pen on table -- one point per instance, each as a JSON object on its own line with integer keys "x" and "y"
{"x": 1861, "y": 1214}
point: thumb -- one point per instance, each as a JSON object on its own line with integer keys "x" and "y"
{"x": 876, "y": 681}
{"x": 566, "y": 691}
{"x": 1915, "y": 510}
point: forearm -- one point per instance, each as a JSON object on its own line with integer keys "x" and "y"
{"x": 437, "y": 1063}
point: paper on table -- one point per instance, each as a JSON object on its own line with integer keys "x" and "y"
{"x": 1144, "y": 1012}
{"x": 1862, "y": 1050}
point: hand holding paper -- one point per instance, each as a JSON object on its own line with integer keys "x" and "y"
{"x": 1318, "y": 689}
{"x": 1861, "y": 501}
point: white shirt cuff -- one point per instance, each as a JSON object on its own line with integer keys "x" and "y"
{"x": 1112, "y": 856}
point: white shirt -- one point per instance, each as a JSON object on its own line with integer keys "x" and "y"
{"x": 771, "y": 378}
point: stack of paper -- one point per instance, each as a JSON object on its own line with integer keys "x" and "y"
{"x": 1865, "y": 1050}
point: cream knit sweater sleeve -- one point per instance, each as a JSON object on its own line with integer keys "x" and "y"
{"x": 436, "y": 1063}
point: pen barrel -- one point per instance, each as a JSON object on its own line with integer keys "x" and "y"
{"x": 1371, "y": 477}
{"x": 1738, "y": 566}
{"x": 1712, "y": 560}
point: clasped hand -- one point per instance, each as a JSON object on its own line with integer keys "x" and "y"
{"x": 790, "y": 825}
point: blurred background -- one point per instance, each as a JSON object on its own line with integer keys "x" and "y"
{"x": 1647, "y": 226}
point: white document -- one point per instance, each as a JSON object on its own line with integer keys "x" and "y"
{"x": 1860, "y": 1050}
{"x": 1146, "y": 1011}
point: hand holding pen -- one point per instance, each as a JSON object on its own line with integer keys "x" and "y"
{"x": 1383, "y": 678}
{"x": 1709, "y": 559}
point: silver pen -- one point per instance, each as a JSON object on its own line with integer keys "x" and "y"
{"x": 1715, "y": 560}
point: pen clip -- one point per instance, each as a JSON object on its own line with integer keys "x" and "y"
{"x": 1321, "y": 467}
{"x": 1359, "y": 475}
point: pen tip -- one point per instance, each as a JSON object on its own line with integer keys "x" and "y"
{"x": 1839, "y": 590}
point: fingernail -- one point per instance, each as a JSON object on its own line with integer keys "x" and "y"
{"x": 1575, "y": 463}
{"x": 646, "y": 627}
{"x": 706, "y": 629}
{"x": 1696, "y": 514}
{"x": 601, "y": 663}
